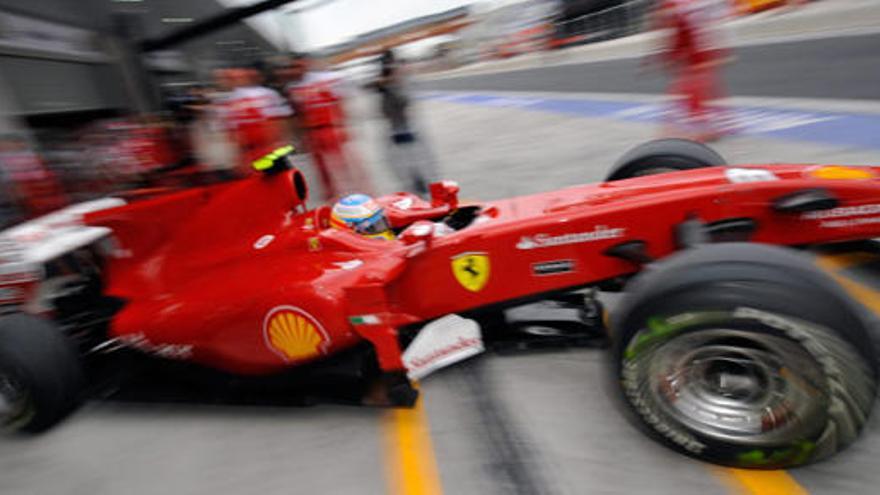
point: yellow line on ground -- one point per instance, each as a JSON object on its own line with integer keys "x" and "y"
{"x": 409, "y": 456}
{"x": 842, "y": 261}
{"x": 868, "y": 296}
{"x": 754, "y": 482}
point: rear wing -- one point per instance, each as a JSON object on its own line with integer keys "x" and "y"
{"x": 28, "y": 250}
{"x": 45, "y": 238}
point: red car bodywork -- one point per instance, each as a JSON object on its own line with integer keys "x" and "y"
{"x": 241, "y": 277}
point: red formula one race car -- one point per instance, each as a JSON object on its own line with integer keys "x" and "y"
{"x": 726, "y": 348}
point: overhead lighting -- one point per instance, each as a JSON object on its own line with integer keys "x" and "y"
{"x": 177, "y": 20}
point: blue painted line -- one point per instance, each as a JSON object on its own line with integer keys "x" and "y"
{"x": 836, "y": 128}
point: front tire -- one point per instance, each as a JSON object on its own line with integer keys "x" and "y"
{"x": 663, "y": 156}
{"x": 745, "y": 355}
{"x": 41, "y": 377}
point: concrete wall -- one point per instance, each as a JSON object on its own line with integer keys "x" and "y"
{"x": 89, "y": 14}
{"x": 48, "y": 79}
{"x": 45, "y": 86}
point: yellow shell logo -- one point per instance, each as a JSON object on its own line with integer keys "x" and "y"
{"x": 293, "y": 334}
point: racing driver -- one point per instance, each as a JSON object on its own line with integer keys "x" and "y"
{"x": 363, "y": 215}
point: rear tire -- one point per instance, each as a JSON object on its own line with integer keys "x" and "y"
{"x": 662, "y": 156}
{"x": 41, "y": 377}
{"x": 744, "y": 355}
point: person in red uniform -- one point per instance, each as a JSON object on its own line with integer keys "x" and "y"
{"x": 147, "y": 143}
{"x": 694, "y": 52}
{"x": 318, "y": 101}
{"x": 254, "y": 115}
{"x": 31, "y": 186}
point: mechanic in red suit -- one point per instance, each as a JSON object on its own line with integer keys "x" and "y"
{"x": 254, "y": 115}
{"x": 318, "y": 101}
{"x": 694, "y": 51}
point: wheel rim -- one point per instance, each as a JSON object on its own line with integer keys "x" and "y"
{"x": 14, "y": 400}
{"x": 740, "y": 386}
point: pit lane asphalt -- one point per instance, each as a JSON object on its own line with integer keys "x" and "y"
{"x": 842, "y": 67}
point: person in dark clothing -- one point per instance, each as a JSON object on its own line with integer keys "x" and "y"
{"x": 409, "y": 157}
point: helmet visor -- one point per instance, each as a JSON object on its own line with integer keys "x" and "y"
{"x": 376, "y": 224}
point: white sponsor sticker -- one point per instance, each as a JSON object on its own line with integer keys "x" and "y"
{"x": 403, "y": 204}
{"x": 442, "y": 343}
{"x": 140, "y": 342}
{"x": 264, "y": 241}
{"x": 849, "y": 223}
{"x": 843, "y": 212}
{"x": 348, "y": 265}
{"x": 742, "y": 175}
{"x": 552, "y": 267}
{"x": 599, "y": 233}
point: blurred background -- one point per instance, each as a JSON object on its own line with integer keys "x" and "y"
{"x": 123, "y": 97}
{"x": 101, "y": 96}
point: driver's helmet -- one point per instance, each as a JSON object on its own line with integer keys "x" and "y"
{"x": 361, "y": 214}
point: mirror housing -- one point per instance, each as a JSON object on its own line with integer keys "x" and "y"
{"x": 444, "y": 193}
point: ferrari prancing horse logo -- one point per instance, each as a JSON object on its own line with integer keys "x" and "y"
{"x": 471, "y": 270}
